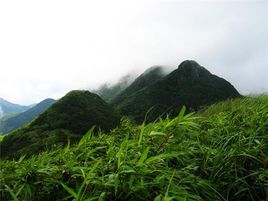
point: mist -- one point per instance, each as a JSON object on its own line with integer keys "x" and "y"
{"x": 49, "y": 48}
{"x": 1, "y": 111}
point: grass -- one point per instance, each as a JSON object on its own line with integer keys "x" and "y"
{"x": 221, "y": 153}
{"x": 1, "y": 137}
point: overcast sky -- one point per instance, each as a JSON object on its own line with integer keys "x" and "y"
{"x": 50, "y": 47}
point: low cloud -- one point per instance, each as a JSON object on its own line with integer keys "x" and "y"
{"x": 83, "y": 45}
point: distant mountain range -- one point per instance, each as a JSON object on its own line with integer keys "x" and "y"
{"x": 8, "y": 107}
{"x": 152, "y": 95}
{"x": 14, "y": 121}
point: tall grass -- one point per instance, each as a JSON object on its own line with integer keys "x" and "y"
{"x": 218, "y": 154}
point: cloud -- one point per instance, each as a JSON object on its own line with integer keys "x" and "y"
{"x": 48, "y": 48}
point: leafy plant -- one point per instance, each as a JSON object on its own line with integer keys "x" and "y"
{"x": 219, "y": 153}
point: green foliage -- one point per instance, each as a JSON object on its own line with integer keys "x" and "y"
{"x": 68, "y": 118}
{"x": 217, "y": 154}
{"x": 190, "y": 85}
{"x": 1, "y": 137}
{"x": 78, "y": 111}
{"x": 149, "y": 77}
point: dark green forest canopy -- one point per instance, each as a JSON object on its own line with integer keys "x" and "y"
{"x": 190, "y": 85}
{"x": 70, "y": 117}
{"x": 147, "y": 78}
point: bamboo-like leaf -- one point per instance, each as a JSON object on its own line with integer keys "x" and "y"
{"x": 116, "y": 183}
{"x": 102, "y": 196}
{"x": 158, "y": 198}
{"x": 143, "y": 156}
{"x": 182, "y": 112}
{"x": 160, "y": 157}
{"x": 80, "y": 194}
{"x": 86, "y": 136}
{"x": 13, "y": 195}
{"x": 141, "y": 133}
{"x": 69, "y": 190}
{"x": 67, "y": 148}
{"x": 21, "y": 158}
{"x": 155, "y": 133}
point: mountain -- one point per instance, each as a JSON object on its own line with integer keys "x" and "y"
{"x": 190, "y": 84}
{"x": 147, "y": 78}
{"x": 108, "y": 91}
{"x": 8, "y": 107}
{"x": 69, "y": 118}
{"x": 15, "y": 121}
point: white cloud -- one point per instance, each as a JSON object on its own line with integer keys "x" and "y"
{"x": 50, "y": 47}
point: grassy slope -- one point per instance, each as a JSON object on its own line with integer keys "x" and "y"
{"x": 218, "y": 154}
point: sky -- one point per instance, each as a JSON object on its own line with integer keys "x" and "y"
{"x": 48, "y": 48}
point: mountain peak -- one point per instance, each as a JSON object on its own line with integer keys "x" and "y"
{"x": 190, "y": 85}
{"x": 148, "y": 77}
{"x": 154, "y": 69}
{"x": 78, "y": 111}
{"x": 188, "y": 64}
{"x": 191, "y": 69}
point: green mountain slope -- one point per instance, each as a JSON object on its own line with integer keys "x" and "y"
{"x": 11, "y": 123}
{"x": 190, "y": 85}
{"x": 8, "y": 107}
{"x": 70, "y": 117}
{"x": 218, "y": 154}
{"x": 147, "y": 78}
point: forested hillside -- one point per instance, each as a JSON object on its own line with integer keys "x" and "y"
{"x": 190, "y": 84}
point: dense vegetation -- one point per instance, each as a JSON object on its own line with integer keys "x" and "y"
{"x": 221, "y": 153}
{"x": 13, "y": 122}
{"x": 147, "y": 78}
{"x": 190, "y": 85}
{"x": 70, "y": 117}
